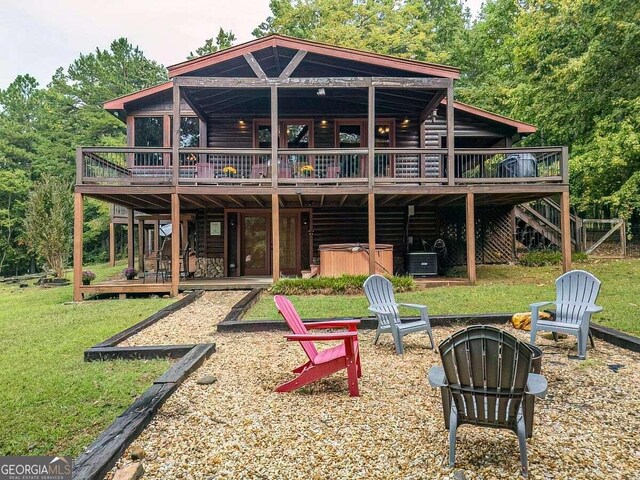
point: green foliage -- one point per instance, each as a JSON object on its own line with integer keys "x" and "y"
{"x": 344, "y": 285}
{"x": 416, "y": 29}
{"x": 48, "y": 222}
{"x": 55, "y": 403}
{"x": 544, "y": 258}
{"x": 212, "y": 45}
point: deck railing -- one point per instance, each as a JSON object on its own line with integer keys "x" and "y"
{"x": 216, "y": 166}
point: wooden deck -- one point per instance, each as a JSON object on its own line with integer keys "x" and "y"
{"x": 123, "y": 287}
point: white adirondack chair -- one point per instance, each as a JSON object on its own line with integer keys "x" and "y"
{"x": 576, "y": 294}
{"x": 382, "y": 303}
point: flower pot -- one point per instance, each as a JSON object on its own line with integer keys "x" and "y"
{"x": 130, "y": 277}
{"x": 86, "y": 282}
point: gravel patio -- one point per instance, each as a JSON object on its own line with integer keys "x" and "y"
{"x": 237, "y": 427}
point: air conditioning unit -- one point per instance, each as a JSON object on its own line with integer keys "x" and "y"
{"x": 422, "y": 264}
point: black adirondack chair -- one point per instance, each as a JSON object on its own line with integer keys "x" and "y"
{"x": 484, "y": 380}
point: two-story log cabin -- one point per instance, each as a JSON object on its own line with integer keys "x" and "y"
{"x": 285, "y": 145}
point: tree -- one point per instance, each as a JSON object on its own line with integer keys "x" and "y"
{"x": 48, "y": 221}
{"x": 212, "y": 45}
{"x": 416, "y": 29}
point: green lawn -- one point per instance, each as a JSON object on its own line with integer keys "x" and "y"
{"x": 500, "y": 289}
{"x": 51, "y": 401}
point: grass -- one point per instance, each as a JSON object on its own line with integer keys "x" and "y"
{"x": 51, "y": 401}
{"x": 500, "y": 289}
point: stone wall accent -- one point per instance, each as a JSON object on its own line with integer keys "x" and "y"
{"x": 209, "y": 267}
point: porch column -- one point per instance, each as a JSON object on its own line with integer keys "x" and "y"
{"x": 141, "y": 246}
{"x": 471, "y": 239}
{"x": 372, "y": 233}
{"x": 130, "y": 246}
{"x": 274, "y": 136}
{"x": 451, "y": 168}
{"x": 175, "y": 243}
{"x": 175, "y": 134}
{"x": 156, "y": 236}
{"x": 78, "y": 225}
{"x": 275, "y": 236}
{"x": 112, "y": 244}
{"x": 371, "y": 135}
{"x": 565, "y": 231}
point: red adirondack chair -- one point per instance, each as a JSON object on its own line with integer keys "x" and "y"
{"x": 324, "y": 363}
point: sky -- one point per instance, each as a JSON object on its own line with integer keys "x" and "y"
{"x": 41, "y": 35}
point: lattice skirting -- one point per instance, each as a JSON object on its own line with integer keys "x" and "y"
{"x": 494, "y": 235}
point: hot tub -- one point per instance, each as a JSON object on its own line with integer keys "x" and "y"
{"x": 338, "y": 259}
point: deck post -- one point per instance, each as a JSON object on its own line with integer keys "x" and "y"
{"x": 141, "y": 246}
{"x": 451, "y": 168}
{"x": 471, "y": 239}
{"x": 565, "y": 231}
{"x": 130, "y": 245}
{"x": 371, "y": 135}
{"x": 78, "y": 225}
{"x": 175, "y": 243}
{"x": 274, "y": 136}
{"x": 156, "y": 236}
{"x": 372, "y": 233}
{"x": 175, "y": 134}
{"x": 112, "y": 244}
{"x": 275, "y": 235}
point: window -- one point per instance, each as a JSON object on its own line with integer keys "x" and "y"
{"x": 148, "y": 132}
{"x": 189, "y": 132}
{"x": 264, "y": 136}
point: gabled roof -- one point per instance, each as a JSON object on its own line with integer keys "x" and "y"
{"x": 415, "y": 66}
{"x": 119, "y": 102}
{"x": 521, "y": 127}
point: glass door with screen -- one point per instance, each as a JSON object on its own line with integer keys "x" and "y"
{"x": 351, "y": 135}
{"x": 256, "y": 244}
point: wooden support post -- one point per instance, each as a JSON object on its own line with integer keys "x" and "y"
{"x": 564, "y": 165}
{"x": 565, "y": 231}
{"x": 78, "y": 225}
{"x": 275, "y": 235}
{"x": 274, "y": 136}
{"x": 623, "y": 237}
{"x": 130, "y": 245}
{"x": 141, "y": 246}
{"x": 371, "y": 135}
{"x": 112, "y": 244}
{"x": 175, "y": 243}
{"x": 175, "y": 134}
{"x": 451, "y": 168}
{"x": 471, "y": 239}
{"x": 156, "y": 236}
{"x": 372, "y": 233}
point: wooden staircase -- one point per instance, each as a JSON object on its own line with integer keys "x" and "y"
{"x": 537, "y": 225}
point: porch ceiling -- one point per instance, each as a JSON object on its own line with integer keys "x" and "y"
{"x": 306, "y": 101}
{"x": 161, "y": 203}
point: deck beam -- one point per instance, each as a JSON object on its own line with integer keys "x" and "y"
{"x": 78, "y": 226}
{"x": 175, "y": 243}
{"x": 565, "y": 231}
{"x": 372, "y": 233}
{"x": 275, "y": 236}
{"x": 471, "y": 239}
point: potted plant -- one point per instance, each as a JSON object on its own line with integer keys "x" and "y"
{"x": 87, "y": 276}
{"x": 130, "y": 273}
{"x": 306, "y": 170}
{"x": 229, "y": 171}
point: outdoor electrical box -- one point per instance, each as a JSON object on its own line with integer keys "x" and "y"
{"x": 411, "y": 210}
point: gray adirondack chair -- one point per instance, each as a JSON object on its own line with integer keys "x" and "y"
{"x": 382, "y": 303}
{"x": 486, "y": 380}
{"x": 576, "y": 294}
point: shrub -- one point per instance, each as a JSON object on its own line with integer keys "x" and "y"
{"x": 542, "y": 258}
{"x": 344, "y": 285}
